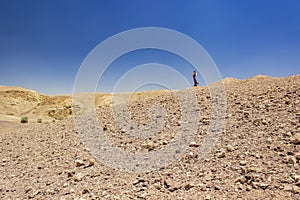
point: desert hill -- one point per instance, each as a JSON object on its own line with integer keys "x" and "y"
{"x": 17, "y": 102}
{"x": 256, "y": 156}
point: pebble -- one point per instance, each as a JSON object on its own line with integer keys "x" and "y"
{"x": 221, "y": 155}
{"x": 296, "y": 138}
{"x": 79, "y": 163}
{"x": 78, "y": 177}
{"x": 92, "y": 162}
{"x": 194, "y": 144}
{"x": 269, "y": 140}
{"x": 229, "y": 148}
{"x": 243, "y": 162}
{"x": 291, "y": 160}
{"x": 123, "y": 130}
{"x": 296, "y": 189}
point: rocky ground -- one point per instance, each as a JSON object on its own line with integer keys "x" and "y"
{"x": 257, "y": 155}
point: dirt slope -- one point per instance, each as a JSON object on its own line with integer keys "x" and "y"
{"x": 256, "y": 157}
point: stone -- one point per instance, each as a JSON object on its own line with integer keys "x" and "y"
{"x": 241, "y": 179}
{"x": 263, "y": 185}
{"x": 291, "y": 160}
{"x": 150, "y": 146}
{"x": 264, "y": 122}
{"x": 269, "y": 140}
{"x": 123, "y": 130}
{"x": 288, "y": 188}
{"x": 172, "y": 185}
{"x": 189, "y": 186}
{"x": 229, "y": 148}
{"x": 194, "y": 144}
{"x": 296, "y": 178}
{"x": 296, "y": 189}
{"x": 92, "y": 162}
{"x": 243, "y": 162}
{"x": 248, "y": 188}
{"x": 78, "y": 177}
{"x": 79, "y": 163}
{"x": 69, "y": 173}
{"x": 288, "y": 134}
{"x": 296, "y": 139}
{"x": 221, "y": 155}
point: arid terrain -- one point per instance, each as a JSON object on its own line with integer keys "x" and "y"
{"x": 257, "y": 155}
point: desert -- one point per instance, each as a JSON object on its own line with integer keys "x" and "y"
{"x": 257, "y": 156}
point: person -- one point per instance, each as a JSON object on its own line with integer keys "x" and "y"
{"x": 194, "y": 77}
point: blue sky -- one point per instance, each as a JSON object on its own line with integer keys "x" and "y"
{"x": 44, "y": 42}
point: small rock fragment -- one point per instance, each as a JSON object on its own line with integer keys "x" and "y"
{"x": 291, "y": 160}
{"x": 263, "y": 185}
{"x": 92, "y": 162}
{"x": 172, "y": 185}
{"x": 296, "y": 189}
{"x": 123, "y": 130}
{"x": 248, "y": 188}
{"x": 229, "y": 148}
{"x": 79, "y": 163}
{"x": 269, "y": 140}
{"x": 78, "y": 177}
{"x": 150, "y": 146}
{"x": 243, "y": 162}
{"x": 288, "y": 188}
{"x": 221, "y": 155}
{"x": 194, "y": 144}
{"x": 296, "y": 139}
{"x": 207, "y": 197}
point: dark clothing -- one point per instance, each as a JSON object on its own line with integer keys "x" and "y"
{"x": 195, "y": 80}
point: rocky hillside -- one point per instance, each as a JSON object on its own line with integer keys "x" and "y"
{"x": 257, "y": 155}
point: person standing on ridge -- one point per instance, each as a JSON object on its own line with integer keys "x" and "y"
{"x": 194, "y": 77}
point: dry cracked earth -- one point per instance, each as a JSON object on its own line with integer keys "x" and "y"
{"x": 256, "y": 156}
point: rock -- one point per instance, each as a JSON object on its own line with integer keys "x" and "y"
{"x": 243, "y": 170}
{"x": 79, "y": 163}
{"x": 296, "y": 139}
{"x": 229, "y": 148}
{"x": 269, "y": 140}
{"x": 296, "y": 178}
{"x": 263, "y": 185}
{"x": 165, "y": 142}
{"x": 221, "y": 155}
{"x": 288, "y": 134}
{"x": 241, "y": 179}
{"x": 92, "y": 162}
{"x": 264, "y": 122}
{"x": 69, "y": 173}
{"x": 297, "y": 156}
{"x": 194, "y": 144}
{"x": 248, "y": 188}
{"x": 149, "y": 146}
{"x": 207, "y": 197}
{"x": 172, "y": 185}
{"x": 296, "y": 189}
{"x": 243, "y": 162}
{"x": 288, "y": 188}
{"x": 78, "y": 177}
{"x": 291, "y": 160}
{"x": 123, "y": 130}
{"x": 189, "y": 186}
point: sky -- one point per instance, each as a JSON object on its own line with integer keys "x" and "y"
{"x": 43, "y": 43}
